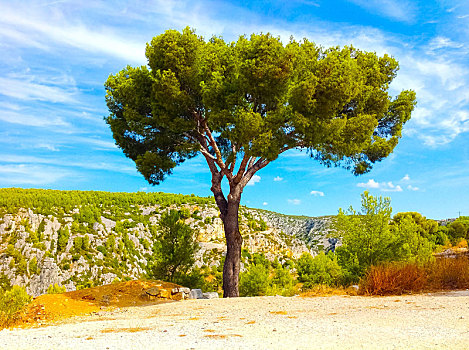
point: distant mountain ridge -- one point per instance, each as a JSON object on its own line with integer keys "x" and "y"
{"x": 83, "y": 238}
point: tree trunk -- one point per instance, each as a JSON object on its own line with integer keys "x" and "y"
{"x": 233, "y": 252}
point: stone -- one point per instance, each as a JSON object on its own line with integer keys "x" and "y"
{"x": 154, "y": 292}
{"x": 196, "y": 294}
{"x": 184, "y": 290}
{"x": 165, "y": 293}
{"x": 210, "y": 295}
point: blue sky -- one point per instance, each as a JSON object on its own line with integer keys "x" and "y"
{"x": 56, "y": 56}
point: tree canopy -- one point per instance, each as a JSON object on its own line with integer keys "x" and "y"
{"x": 257, "y": 98}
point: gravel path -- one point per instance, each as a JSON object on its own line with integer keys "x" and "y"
{"x": 437, "y": 321}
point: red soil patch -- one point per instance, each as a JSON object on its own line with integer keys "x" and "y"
{"x": 52, "y": 307}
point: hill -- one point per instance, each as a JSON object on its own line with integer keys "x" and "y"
{"x": 81, "y": 239}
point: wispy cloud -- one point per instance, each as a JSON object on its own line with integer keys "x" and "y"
{"x": 46, "y": 32}
{"x": 28, "y": 90}
{"x": 317, "y": 193}
{"x": 294, "y": 201}
{"x": 278, "y": 178}
{"x": 25, "y": 174}
{"x": 30, "y": 119}
{"x": 403, "y": 11}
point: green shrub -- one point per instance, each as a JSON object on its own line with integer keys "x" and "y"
{"x": 254, "y": 281}
{"x": 56, "y": 289}
{"x": 12, "y": 304}
{"x": 282, "y": 282}
{"x": 322, "y": 269}
{"x": 33, "y": 269}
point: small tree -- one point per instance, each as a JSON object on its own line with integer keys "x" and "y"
{"x": 242, "y": 104}
{"x": 174, "y": 249}
{"x": 370, "y": 236}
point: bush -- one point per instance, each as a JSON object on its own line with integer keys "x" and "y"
{"x": 254, "y": 281}
{"x": 440, "y": 274}
{"x": 394, "y": 279}
{"x": 56, "y": 289}
{"x": 448, "y": 273}
{"x": 12, "y": 304}
{"x": 282, "y": 282}
{"x": 322, "y": 269}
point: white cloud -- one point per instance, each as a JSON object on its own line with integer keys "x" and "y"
{"x": 30, "y": 119}
{"x": 412, "y": 188}
{"x": 26, "y": 174}
{"x": 294, "y": 201}
{"x": 383, "y": 186}
{"x": 254, "y": 179}
{"x": 265, "y": 203}
{"x": 390, "y": 187}
{"x": 398, "y": 10}
{"x": 44, "y": 30}
{"x": 317, "y": 193}
{"x": 29, "y": 90}
{"x": 441, "y": 42}
{"x": 406, "y": 178}
{"x": 370, "y": 184}
{"x": 278, "y": 178}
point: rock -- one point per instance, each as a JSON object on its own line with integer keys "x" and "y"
{"x": 165, "y": 293}
{"x": 210, "y": 295}
{"x": 196, "y": 294}
{"x": 154, "y": 292}
{"x": 184, "y": 290}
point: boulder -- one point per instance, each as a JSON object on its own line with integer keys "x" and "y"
{"x": 196, "y": 294}
{"x": 210, "y": 295}
{"x": 154, "y": 292}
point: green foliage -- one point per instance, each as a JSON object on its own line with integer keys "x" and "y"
{"x": 263, "y": 277}
{"x": 259, "y": 95}
{"x": 282, "y": 281}
{"x": 254, "y": 281}
{"x": 459, "y": 229}
{"x": 56, "y": 289}
{"x": 63, "y": 235}
{"x": 175, "y": 249}
{"x": 4, "y": 283}
{"x": 12, "y": 303}
{"x": 322, "y": 269}
{"x": 33, "y": 269}
{"x": 369, "y": 237}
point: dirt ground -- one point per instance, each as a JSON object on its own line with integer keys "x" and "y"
{"x": 48, "y": 308}
{"x": 426, "y": 321}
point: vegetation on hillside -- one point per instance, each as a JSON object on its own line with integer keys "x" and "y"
{"x": 159, "y": 241}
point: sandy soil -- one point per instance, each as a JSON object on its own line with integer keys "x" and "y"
{"x": 432, "y": 321}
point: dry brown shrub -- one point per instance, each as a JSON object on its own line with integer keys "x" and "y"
{"x": 448, "y": 273}
{"x": 394, "y": 279}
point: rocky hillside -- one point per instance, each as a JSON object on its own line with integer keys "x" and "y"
{"x": 80, "y": 239}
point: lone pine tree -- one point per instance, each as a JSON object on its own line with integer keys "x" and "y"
{"x": 244, "y": 103}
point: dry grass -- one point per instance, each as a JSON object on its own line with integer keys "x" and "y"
{"x": 446, "y": 274}
{"x": 396, "y": 279}
{"x": 322, "y": 290}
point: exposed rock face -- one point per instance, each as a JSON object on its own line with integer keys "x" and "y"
{"x": 50, "y": 274}
{"x": 120, "y": 247}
